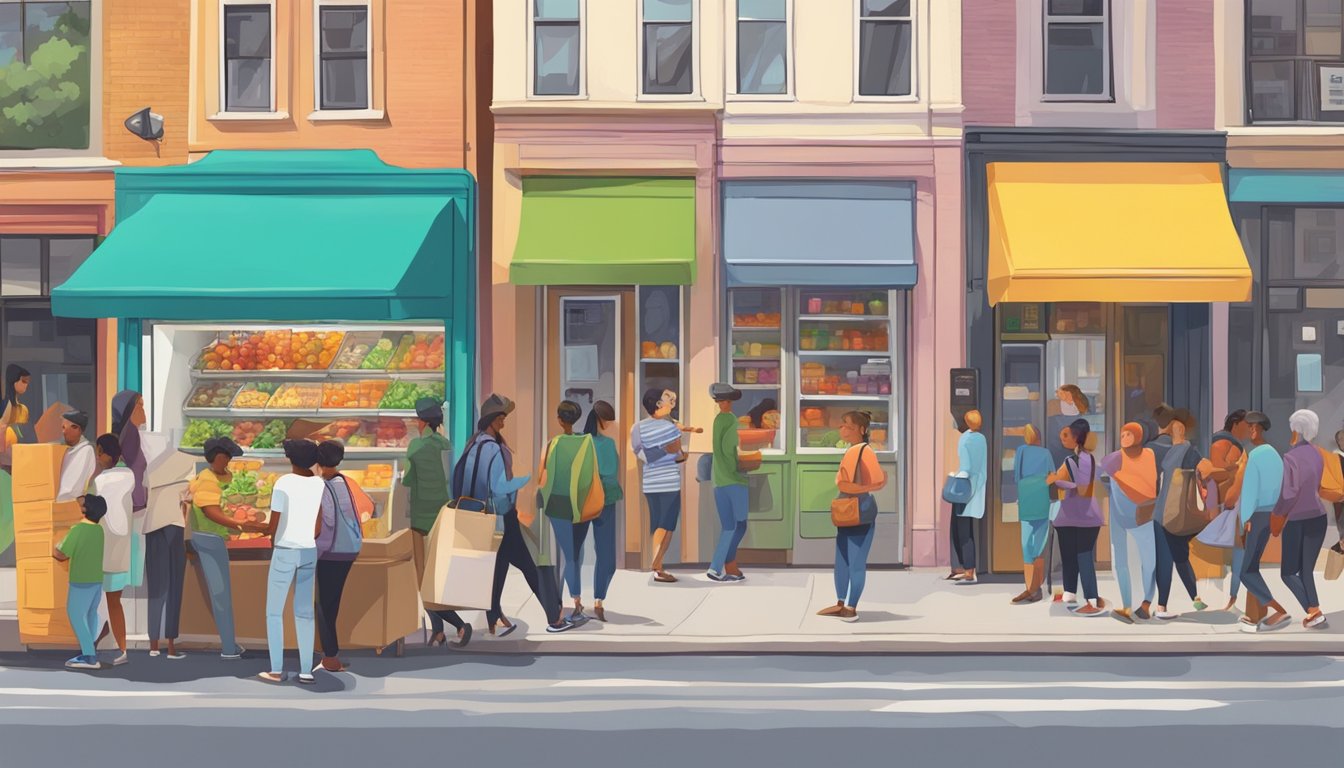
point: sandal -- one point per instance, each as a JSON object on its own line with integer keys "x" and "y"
{"x": 507, "y": 627}
{"x": 463, "y": 637}
{"x": 437, "y": 639}
{"x": 663, "y": 577}
{"x": 600, "y": 613}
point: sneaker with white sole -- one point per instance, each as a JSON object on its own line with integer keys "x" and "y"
{"x": 154, "y": 654}
{"x": 1317, "y": 622}
{"x": 84, "y": 662}
{"x": 177, "y": 655}
{"x": 122, "y": 659}
{"x": 1167, "y": 615}
{"x": 237, "y": 653}
{"x": 564, "y": 626}
{"x": 716, "y": 576}
{"x": 1249, "y": 627}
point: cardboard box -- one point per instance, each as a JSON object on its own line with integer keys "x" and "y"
{"x": 395, "y": 547}
{"x": 35, "y": 545}
{"x": 48, "y": 426}
{"x": 39, "y": 517}
{"x": 37, "y": 471}
{"x": 43, "y": 584}
{"x": 46, "y": 627}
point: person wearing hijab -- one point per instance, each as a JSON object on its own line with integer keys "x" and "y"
{"x": 1031, "y": 466}
{"x": 79, "y": 464}
{"x": 128, "y": 417}
{"x": 1133, "y": 474}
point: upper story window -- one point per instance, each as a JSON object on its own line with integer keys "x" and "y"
{"x": 45, "y": 75}
{"x": 1295, "y": 60}
{"x": 556, "y": 47}
{"x": 669, "y": 49}
{"x": 763, "y": 47}
{"x": 886, "y": 36}
{"x": 343, "y": 56}
{"x": 1077, "y": 50}
{"x": 249, "y": 57}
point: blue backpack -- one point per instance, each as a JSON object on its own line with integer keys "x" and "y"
{"x": 349, "y": 534}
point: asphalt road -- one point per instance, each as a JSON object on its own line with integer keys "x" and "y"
{"x": 437, "y": 708}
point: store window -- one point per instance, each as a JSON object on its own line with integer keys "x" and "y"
{"x": 756, "y": 359}
{"x": 886, "y": 47}
{"x": 660, "y": 318}
{"x": 556, "y": 47}
{"x": 669, "y": 47}
{"x": 248, "y": 72}
{"x": 1295, "y": 60}
{"x": 845, "y": 351}
{"x": 344, "y": 72}
{"x": 45, "y": 74}
{"x": 762, "y": 47}
{"x": 1077, "y": 50}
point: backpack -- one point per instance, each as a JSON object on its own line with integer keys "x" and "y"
{"x": 595, "y": 500}
{"x": 465, "y": 496}
{"x": 1332, "y": 477}
{"x": 349, "y": 534}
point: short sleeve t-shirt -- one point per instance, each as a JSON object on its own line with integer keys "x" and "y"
{"x": 298, "y": 499}
{"x": 84, "y": 546}
{"x": 206, "y": 492}
{"x": 661, "y": 472}
{"x": 116, "y": 486}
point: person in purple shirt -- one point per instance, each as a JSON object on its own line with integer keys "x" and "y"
{"x": 1079, "y": 520}
{"x": 1300, "y": 502}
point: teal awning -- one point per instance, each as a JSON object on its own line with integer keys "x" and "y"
{"x": 1275, "y": 186}
{"x": 819, "y": 233}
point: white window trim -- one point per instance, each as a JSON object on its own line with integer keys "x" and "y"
{"x": 695, "y": 94}
{"x": 531, "y": 74}
{"x": 910, "y": 98}
{"x": 1107, "y": 57}
{"x": 790, "y": 53}
{"x": 75, "y": 159}
{"x": 368, "y": 113}
{"x": 223, "y": 113}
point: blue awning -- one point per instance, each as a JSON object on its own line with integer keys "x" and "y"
{"x": 1275, "y": 186}
{"x": 803, "y": 232}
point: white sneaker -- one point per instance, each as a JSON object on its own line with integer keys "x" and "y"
{"x": 1167, "y": 615}
{"x": 1317, "y": 623}
{"x": 237, "y": 654}
{"x": 154, "y": 654}
{"x": 1249, "y": 628}
{"x": 122, "y": 659}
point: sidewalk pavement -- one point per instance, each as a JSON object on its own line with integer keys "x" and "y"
{"x": 912, "y": 611}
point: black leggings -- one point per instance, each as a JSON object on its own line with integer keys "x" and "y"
{"x": 1173, "y": 552}
{"x": 963, "y": 538}
{"x": 165, "y": 571}
{"x": 331, "y": 576}
{"x": 1077, "y": 547}
{"x": 513, "y": 551}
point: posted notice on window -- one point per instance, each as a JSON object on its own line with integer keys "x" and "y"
{"x": 1332, "y": 89}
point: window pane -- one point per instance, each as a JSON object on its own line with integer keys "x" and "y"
{"x": 899, "y": 9}
{"x": 345, "y": 84}
{"x": 667, "y": 10}
{"x": 561, "y": 10}
{"x": 557, "y": 60}
{"x": 761, "y": 51}
{"x": 65, "y": 256}
{"x": 20, "y": 266}
{"x": 764, "y": 10}
{"x": 11, "y": 33}
{"x": 247, "y": 31}
{"x": 884, "y": 64}
{"x": 1077, "y": 7}
{"x": 345, "y": 30}
{"x": 667, "y": 58}
{"x": 44, "y": 21}
{"x": 1075, "y": 59}
{"x": 1274, "y": 26}
{"x": 248, "y": 85}
{"x": 1272, "y": 90}
{"x": 1240, "y": 357}
{"x": 1323, "y": 21}
{"x": 1317, "y": 245}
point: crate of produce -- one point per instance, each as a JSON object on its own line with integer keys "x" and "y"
{"x": 213, "y": 394}
{"x": 200, "y": 430}
{"x": 366, "y": 393}
{"x": 314, "y": 350}
{"x": 303, "y": 396}
{"x": 380, "y": 356}
{"x": 402, "y": 395}
{"x": 254, "y": 394}
{"x": 356, "y": 349}
{"x": 395, "y": 433}
{"x": 340, "y": 429}
{"x": 246, "y": 432}
{"x": 419, "y": 352}
{"x": 247, "y": 351}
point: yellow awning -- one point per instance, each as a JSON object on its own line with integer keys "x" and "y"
{"x": 1112, "y": 232}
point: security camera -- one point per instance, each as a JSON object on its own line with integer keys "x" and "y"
{"x": 146, "y": 125}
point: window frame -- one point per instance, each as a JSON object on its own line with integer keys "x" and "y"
{"x": 91, "y": 156}
{"x": 790, "y": 51}
{"x": 246, "y": 114}
{"x": 1107, "y": 96}
{"x": 582, "y": 75}
{"x": 1298, "y": 61}
{"x": 694, "y": 94}
{"x": 913, "y": 20}
{"x": 369, "y": 111}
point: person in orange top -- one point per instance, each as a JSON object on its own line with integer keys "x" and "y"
{"x": 860, "y": 475}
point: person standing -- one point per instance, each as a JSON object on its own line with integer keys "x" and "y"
{"x": 1338, "y": 455}
{"x": 296, "y": 520}
{"x": 601, "y": 419}
{"x": 83, "y": 547}
{"x": 1031, "y": 466}
{"x": 210, "y": 530}
{"x": 1227, "y": 456}
{"x": 1260, "y": 487}
{"x": 128, "y": 421}
{"x": 656, "y": 443}
{"x": 860, "y": 476}
{"x": 1133, "y": 472}
{"x": 340, "y": 537}
{"x": 730, "y": 487}
{"x": 115, "y": 483}
{"x": 1079, "y": 521}
{"x": 566, "y": 479}
{"x": 1072, "y": 403}
{"x": 79, "y": 463}
{"x": 426, "y": 476}
{"x": 1173, "y": 550}
{"x": 973, "y": 462}
{"x": 165, "y": 571}
{"x": 13, "y": 415}
{"x": 485, "y": 472}
{"x": 1306, "y": 523}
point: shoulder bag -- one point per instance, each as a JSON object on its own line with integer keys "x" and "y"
{"x": 852, "y": 510}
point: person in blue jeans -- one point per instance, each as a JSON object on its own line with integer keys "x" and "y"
{"x": 730, "y": 487}
{"x": 861, "y": 476}
{"x": 602, "y": 418}
{"x": 566, "y": 482}
{"x": 83, "y": 548}
{"x": 296, "y": 506}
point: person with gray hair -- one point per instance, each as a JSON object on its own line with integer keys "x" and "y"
{"x": 1306, "y": 523}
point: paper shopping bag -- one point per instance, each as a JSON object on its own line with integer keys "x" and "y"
{"x": 1334, "y": 563}
{"x": 459, "y": 561}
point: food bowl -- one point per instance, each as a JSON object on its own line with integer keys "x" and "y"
{"x": 755, "y": 439}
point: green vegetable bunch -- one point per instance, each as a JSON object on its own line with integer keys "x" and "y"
{"x": 200, "y": 430}
{"x": 379, "y": 356}
{"x": 272, "y": 436}
{"x": 401, "y": 396}
{"x": 244, "y": 483}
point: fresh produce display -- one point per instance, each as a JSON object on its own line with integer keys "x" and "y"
{"x": 401, "y": 396}
{"x": 279, "y": 349}
{"x": 394, "y": 433}
{"x": 357, "y": 346}
{"x": 843, "y": 339}
{"x": 255, "y": 394}
{"x": 652, "y": 350}
{"x": 271, "y": 436}
{"x": 419, "y": 352}
{"x": 354, "y": 394}
{"x": 212, "y": 394}
{"x": 756, "y": 373}
{"x": 874, "y": 304}
{"x": 200, "y": 430}
{"x": 769, "y": 320}
{"x": 245, "y": 432}
{"x": 379, "y": 356}
{"x": 769, "y": 420}
{"x": 297, "y": 396}
{"x": 378, "y": 476}
{"x": 342, "y": 429}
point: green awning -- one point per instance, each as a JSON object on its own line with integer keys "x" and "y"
{"x": 605, "y": 231}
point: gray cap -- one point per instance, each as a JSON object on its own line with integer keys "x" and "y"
{"x": 721, "y": 392}
{"x": 496, "y": 405}
{"x": 429, "y": 409}
{"x": 78, "y": 418}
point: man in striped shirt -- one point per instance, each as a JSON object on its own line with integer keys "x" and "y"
{"x": 656, "y": 442}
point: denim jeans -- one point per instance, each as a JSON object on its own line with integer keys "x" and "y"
{"x": 732, "y": 502}
{"x": 214, "y": 559}
{"x": 851, "y": 562}
{"x": 1255, "y": 549}
{"x": 165, "y": 569}
{"x": 1124, "y": 531}
{"x": 296, "y": 568}
{"x": 604, "y": 541}
{"x": 569, "y": 547}
{"x": 1173, "y": 553}
{"x": 1302, "y": 542}
{"x": 81, "y": 606}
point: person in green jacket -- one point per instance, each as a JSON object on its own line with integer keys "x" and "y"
{"x": 730, "y": 487}
{"x": 566, "y": 479}
{"x": 426, "y": 476}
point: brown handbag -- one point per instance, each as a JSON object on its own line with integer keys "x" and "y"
{"x": 845, "y": 508}
{"x": 1144, "y": 512}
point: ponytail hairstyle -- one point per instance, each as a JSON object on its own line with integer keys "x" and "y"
{"x": 600, "y": 413}
{"x": 861, "y": 419}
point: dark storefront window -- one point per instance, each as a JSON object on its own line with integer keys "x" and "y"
{"x": 1295, "y": 60}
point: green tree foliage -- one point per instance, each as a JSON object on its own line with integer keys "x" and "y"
{"x": 44, "y": 101}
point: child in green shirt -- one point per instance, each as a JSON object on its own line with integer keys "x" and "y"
{"x": 83, "y": 548}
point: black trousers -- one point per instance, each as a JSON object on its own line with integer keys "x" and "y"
{"x": 1077, "y": 547}
{"x": 513, "y": 551}
{"x": 331, "y": 576}
{"x": 963, "y": 538}
{"x": 165, "y": 571}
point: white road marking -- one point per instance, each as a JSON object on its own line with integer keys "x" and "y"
{"x": 985, "y": 706}
{"x": 866, "y": 685}
{"x": 100, "y": 694}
